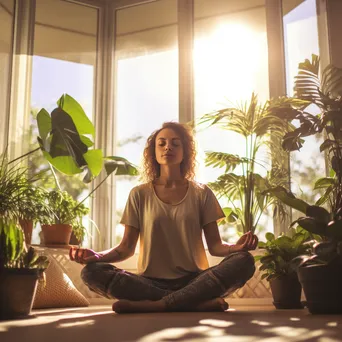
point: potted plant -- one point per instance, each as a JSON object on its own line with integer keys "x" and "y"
{"x": 244, "y": 189}
{"x": 20, "y": 269}
{"x": 65, "y": 139}
{"x": 66, "y": 217}
{"x": 320, "y": 274}
{"x": 278, "y": 264}
{"x": 31, "y": 205}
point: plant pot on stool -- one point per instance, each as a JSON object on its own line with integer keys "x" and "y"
{"x": 56, "y": 234}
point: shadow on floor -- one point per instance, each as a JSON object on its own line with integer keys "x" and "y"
{"x": 243, "y": 326}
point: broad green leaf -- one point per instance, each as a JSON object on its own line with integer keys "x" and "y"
{"x": 312, "y": 225}
{"x": 121, "y": 166}
{"x": 94, "y": 159}
{"x": 269, "y": 236}
{"x": 88, "y": 142}
{"x": 283, "y": 242}
{"x": 325, "y": 196}
{"x": 63, "y": 164}
{"x": 230, "y": 214}
{"x": 324, "y": 183}
{"x": 44, "y": 124}
{"x": 65, "y": 138}
{"x": 288, "y": 198}
{"x": 79, "y": 117}
{"x": 318, "y": 213}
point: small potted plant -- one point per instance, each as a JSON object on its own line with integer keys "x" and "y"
{"x": 67, "y": 215}
{"x": 30, "y": 208}
{"x": 278, "y": 264}
{"x": 20, "y": 269}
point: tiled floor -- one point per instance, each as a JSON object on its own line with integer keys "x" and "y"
{"x": 239, "y": 324}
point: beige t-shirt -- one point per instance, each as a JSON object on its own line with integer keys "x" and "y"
{"x": 171, "y": 244}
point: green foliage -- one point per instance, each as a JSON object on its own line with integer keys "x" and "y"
{"x": 65, "y": 138}
{"x": 13, "y": 185}
{"x": 19, "y": 197}
{"x": 246, "y": 192}
{"x": 324, "y": 91}
{"x": 280, "y": 256}
{"x": 13, "y": 251}
{"x": 65, "y": 210}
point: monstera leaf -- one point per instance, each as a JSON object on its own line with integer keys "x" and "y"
{"x": 65, "y": 139}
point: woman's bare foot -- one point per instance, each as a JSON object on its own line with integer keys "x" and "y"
{"x": 130, "y": 306}
{"x": 216, "y": 304}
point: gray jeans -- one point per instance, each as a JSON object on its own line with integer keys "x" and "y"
{"x": 217, "y": 281}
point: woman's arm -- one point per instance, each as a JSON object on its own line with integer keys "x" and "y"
{"x": 219, "y": 248}
{"x": 123, "y": 251}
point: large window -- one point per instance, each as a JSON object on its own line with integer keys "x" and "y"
{"x": 146, "y": 82}
{"x": 64, "y": 61}
{"x": 307, "y": 165}
{"x": 230, "y": 62}
{"x": 154, "y": 50}
{"x": 6, "y": 39}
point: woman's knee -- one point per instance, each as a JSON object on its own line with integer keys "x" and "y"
{"x": 95, "y": 272}
{"x": 244, "y": 262}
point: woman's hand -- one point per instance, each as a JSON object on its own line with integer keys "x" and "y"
{"x": 247, "y": 242}
{"x": 83, "y": 255}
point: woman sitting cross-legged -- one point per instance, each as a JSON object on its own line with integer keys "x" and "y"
{"x": 169, "y": 213}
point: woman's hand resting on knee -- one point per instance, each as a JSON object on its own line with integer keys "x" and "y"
{"x": 247, "y": 242}
{"x": 83, "y": 255}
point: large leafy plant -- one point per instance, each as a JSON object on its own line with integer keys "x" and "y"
{"x": 323, "y": 91}
{"x": 279, "y": 257}
{"x": 245, "y": 191}
{"x": 66, "y": 140}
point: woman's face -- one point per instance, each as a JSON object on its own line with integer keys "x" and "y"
{"x": 169, "y": 147}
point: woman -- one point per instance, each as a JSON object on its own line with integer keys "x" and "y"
{"x": 169, "y": 213}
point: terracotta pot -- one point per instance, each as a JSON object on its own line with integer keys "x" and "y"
{"x": 17, "y": 290}
{"x": 56, "y": 234}
{"x": 27, "y": 227}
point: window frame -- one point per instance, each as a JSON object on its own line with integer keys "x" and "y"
{"x": 105, "y": 87}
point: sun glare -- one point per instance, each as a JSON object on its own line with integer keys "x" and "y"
{"x": 228, "y": 60}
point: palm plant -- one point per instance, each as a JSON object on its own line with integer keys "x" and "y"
{"x": 245, "y": 192}
{"x": 323, "y": 91}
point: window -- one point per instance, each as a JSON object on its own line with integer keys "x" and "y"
{"x": 307, "y": 165}
{"x": 64, "y": 61}
{"x": 146, "y": 64}
{"x": 6, "y": 41}
{"x": 230, "y": 62}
